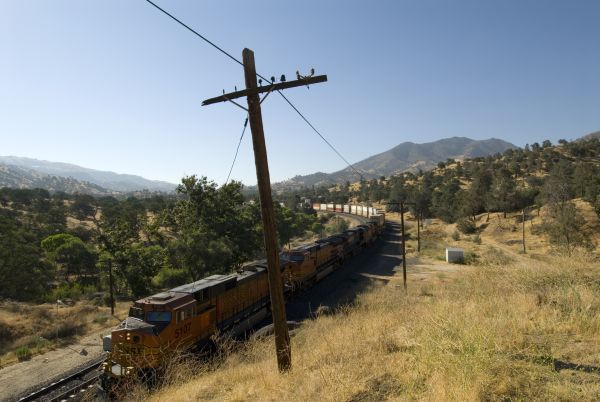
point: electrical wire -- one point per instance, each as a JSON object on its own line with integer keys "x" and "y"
{"x": 196, "y": 33}
{"x": 319, "y": 134}
{"x": 237, "y": 150}
{"x": 260, "y": 76}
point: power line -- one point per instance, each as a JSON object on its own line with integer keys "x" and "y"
{"x": 319, "y": 134}
{"x": 237, "y": 150}
{"x": 197, "y": 34}
{"x": 260, "y": 76}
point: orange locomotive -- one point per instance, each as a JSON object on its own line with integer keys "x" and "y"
{"x": 189, "y": 315}
{"x": 183, "y": 317}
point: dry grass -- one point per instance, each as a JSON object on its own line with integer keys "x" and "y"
{"x": 43, "y": 327}
{"x": 489, "y": 333}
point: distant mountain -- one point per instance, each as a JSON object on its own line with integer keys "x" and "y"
{"x": 102, "y": 179}
{"x": 407, "y": 156}
{"x": 19, "y": 177}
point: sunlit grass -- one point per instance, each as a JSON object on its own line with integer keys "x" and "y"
{"x": 488, "y": 333}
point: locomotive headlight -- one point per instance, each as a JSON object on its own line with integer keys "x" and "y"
{"x": 128, "y": 336}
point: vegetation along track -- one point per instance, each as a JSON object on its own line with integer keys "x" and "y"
{"x": 70, "y": 387}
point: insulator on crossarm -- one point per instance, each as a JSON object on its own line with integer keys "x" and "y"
{"x": 273, "y": 80}
{"x": 297, "y": 74}
{"x": 312, "y": 71}
{"x": 282, "y": 79}
{"x": 260, "y": 82}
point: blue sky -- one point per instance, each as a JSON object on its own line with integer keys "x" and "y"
{"x": 116, "y": 85}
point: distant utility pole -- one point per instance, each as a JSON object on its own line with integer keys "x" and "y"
{"x": 523, "y": 219}
{"x": 252, "y": 91}
{"x": 419, "y": 231}
{"x": 403, "y": 245}
{"x": 110, "y": 285}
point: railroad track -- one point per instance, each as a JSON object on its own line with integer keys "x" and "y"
{"x": 68, "y": 388}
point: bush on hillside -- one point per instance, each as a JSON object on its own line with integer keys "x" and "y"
{"x": 466, "y": 226}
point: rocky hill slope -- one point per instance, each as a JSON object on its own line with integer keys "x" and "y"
{"x": 407, "y": 156}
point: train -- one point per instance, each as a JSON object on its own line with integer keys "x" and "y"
{"x": 189, "y": 316}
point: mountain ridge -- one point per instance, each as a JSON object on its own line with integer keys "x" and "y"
{"x": 110, "y": 181}
{"x": 406, "y": 156}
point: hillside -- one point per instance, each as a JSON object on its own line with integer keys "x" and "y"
{"x": 108, "y": 180}
{"x": 595, "y": 134}
{"x": 19, "y": 177}
{"x": 407, "y": 156}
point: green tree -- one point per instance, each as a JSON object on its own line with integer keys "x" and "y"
{"x": 216, "y": 230}
{"x": 563, "y": 226}
{"x": 83, "y": 206}
{"x": 563, "y": 223}
{"x": 71, "y": 255}
{"x": 502, "y": 191}
{"x": 445, "y": 201}
{"x": 24, "y": 275}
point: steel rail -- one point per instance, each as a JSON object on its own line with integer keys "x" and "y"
{"x": 77, "y": 375}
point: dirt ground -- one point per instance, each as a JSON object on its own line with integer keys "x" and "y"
{"x": 19, "y": 378}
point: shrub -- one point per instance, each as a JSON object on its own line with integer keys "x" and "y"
{"x": 471, "y": 258}
{"x": 101, "y": 319}
{"x": 456, "y": 235}
{"x": 466, "y": 226}
{"x": 65, "y": 329}
{"x": 67, "y": 291}
{"x": 23, "y": 353}
{"x": 7, "y": 333}
{"x": 337, "y": 225}
{"x": 476, "y": 239}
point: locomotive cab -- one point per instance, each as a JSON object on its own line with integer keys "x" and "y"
{"x": 167, "y": 321}
{"x": 301, "y": 265}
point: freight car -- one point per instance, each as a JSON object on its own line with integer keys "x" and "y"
{"x": 189, "y": 316}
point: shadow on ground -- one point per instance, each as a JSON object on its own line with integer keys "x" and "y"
{"x": 345, "y": 284}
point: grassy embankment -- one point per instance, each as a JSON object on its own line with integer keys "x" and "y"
{"x": 27, "y": 329}
{"x": 510, "y": 327}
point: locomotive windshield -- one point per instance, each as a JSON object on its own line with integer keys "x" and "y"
{"x": 293, "y": 257}
{"x": 136, "y": 312}
{"x": 158, "y": 317}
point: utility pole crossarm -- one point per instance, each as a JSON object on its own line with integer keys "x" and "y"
{"x": 267, "y": 88}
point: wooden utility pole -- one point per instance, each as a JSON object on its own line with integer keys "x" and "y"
{"x": 403, "y": 244}
{"x": 252, "y": 91}
{"x": 419, "y": 232}
{"x": 110, "y": 285}
{"x": 523, "y": 219}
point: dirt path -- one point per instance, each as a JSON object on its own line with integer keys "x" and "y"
{"x": 19, "y": 378}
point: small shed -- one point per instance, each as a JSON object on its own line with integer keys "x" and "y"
{"x": 455, "y": 255}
